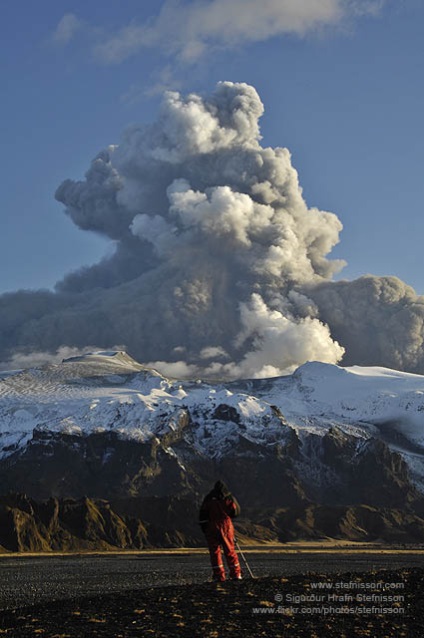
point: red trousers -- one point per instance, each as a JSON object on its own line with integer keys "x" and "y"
{"x": 224, "y": 538}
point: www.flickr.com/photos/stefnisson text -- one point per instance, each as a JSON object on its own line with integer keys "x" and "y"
{"x": 341, "y": 597}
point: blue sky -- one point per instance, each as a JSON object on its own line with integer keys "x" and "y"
{"x": 342, "y": 88}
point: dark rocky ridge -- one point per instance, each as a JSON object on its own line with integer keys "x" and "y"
{"x": 93, "y": 524}
{"x": 103, "y": 491}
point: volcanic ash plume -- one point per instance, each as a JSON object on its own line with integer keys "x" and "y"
{"x": 220, "y": 268}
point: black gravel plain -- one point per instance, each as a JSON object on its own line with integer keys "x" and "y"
{"x": 121, "y": 596}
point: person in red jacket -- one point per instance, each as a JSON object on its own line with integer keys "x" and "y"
{"x": 216, "y": 512}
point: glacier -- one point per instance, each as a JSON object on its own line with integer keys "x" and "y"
{"x": 110, "y": 391}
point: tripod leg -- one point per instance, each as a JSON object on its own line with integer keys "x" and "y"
{"x": 244, "y": 559}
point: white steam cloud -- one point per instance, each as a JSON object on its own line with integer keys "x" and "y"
{"x": 34, "y": 359}
{"x": 221, "y": 269}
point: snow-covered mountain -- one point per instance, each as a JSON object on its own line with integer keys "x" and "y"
{"x": 105, "y": 426}
{"x": 109, "y": 391}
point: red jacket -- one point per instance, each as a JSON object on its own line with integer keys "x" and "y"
{"x": 216, "y": 512}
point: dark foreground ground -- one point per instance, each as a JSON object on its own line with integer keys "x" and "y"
{"x": 308, "y": 595}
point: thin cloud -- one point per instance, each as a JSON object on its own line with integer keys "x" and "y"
{"x": 66, "y": 29}
{"x": 36, "y": 358}
{"x": 187, "y": 30}
{"x": 165, "y": 80}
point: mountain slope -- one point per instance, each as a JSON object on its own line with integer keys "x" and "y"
{"x": 302, "y": 452}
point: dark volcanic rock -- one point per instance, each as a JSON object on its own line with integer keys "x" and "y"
{"x": 252, "y": 607}
{"x": 101, "y": 490}
{"x": 29, "y": 525}
{"x": 343, "y": 470}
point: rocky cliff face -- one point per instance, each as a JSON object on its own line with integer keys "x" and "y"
{"x": 111, "y": 455}
{"x": 140, "y": 494}
{"x": 66, "y": 524}
{"x": 146, "y": 522}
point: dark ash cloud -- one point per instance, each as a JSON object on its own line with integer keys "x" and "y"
{"x": 220, "y": 268}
